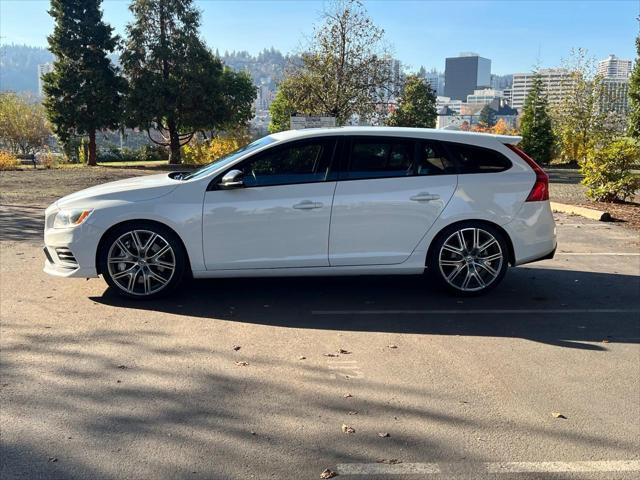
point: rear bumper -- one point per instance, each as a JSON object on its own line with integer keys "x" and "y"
{"x": 532, "y": 233}
{"x": 548, "y": 256}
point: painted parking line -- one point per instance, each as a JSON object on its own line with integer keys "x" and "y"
{"x": 600, "y": 254}
{"x": 488, "y": 467}
{"x": 486, "y": 311}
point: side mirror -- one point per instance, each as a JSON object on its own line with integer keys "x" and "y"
{"x": 232, "y": 179}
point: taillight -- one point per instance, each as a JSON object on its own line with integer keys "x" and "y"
{"x": 540, "y": 190}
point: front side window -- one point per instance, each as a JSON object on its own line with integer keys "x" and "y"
{"x": 374, "y": 158}
{"x": 301, "y": 162}
{"x": 474, "y": 159}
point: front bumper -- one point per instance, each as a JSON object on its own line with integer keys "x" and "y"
{"x": 70, "y": 252}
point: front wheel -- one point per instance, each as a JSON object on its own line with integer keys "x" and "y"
{"x": 469, "y": 258}
{"x": 142, "y": 261}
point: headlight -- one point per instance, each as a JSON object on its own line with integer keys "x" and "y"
{"x": 71, "y": 218}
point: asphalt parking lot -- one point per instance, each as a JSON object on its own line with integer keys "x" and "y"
{"x": 539, "y": 379}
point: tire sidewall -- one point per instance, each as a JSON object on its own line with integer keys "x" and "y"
{"x": 173, "y": 240}
{"x": 433, "y": 264}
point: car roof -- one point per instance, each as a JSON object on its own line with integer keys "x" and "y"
{"x": 427, "y": 133}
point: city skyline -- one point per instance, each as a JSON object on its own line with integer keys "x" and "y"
{"x": 601, "y": 27}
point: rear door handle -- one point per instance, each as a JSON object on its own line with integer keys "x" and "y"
{"x": 307, "y": 205}
{"x": 424, "y": 197}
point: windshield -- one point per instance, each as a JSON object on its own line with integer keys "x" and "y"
{"x": 229, "y": 158}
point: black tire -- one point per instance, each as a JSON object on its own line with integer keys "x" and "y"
{"x": 471, "y": 263}
{"x": 149, "y": 270}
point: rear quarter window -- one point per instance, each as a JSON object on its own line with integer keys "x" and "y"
{"x": 472, "y": 159}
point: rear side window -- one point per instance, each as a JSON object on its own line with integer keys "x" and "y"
{"x": 474, "y": 159}
{"x": 380, "y": 158}
{"x": 434, "y": 160}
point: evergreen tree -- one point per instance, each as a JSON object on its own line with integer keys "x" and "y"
{"x": 83, "y": 93}
{"x": 634, "y": 95}
{"x": 487, "y": 116}
{"x": 176, "y": 85}
{"x": 417, "y": 105}
{"x": 537, "y": 133}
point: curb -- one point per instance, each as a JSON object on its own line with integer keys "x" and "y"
{"x": 582, "y": 211}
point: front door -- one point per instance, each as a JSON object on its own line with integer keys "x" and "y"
{"x": 280, "y": 217}
{"x": 390, "y": 192}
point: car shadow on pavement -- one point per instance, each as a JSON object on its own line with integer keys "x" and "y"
{"x": 566, "y": 308}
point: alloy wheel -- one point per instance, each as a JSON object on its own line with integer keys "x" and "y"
{"x": 470, "y": 259}
{"x": 141, "y": 262}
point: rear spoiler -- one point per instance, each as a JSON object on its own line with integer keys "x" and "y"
{"x": 508, "y": 139}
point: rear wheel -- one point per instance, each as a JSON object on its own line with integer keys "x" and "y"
{"x": 469, "y": 258}
{"x": 143, "y": 261}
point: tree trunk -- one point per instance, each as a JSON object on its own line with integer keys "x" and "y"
{"x": 91, "y": 161}
{"x": 174, "y": 145}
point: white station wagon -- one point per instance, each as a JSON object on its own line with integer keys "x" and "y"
{"x": 336, "y": 201}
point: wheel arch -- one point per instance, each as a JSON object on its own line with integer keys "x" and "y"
{"x": 137, "y": 222}
{"x": 505, "y": 234}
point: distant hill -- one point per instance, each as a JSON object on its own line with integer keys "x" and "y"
{"x": 19, "y": 67}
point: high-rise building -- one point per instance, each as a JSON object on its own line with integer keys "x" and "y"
{"x": 616, "y": 95}
{"x": 555, "y": 81}
{"x": 614, "y": 67}
{"x": 501, "y": 82}
{"x": 42, "y": 69}
{"x": 466, "y": 73}
{"x": 436, "y": 80}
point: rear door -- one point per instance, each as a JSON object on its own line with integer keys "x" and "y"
{"x": 389, "y": 193}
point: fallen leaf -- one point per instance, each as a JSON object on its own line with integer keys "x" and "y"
{"x": 326, "y": 473}
{"x": 389, "y": 461}
{"x": 237, "y": 347}
{"x": 392, "y": 346}
{"x": 347, "y": 395}
{"x": 347, "y": 429}
{"x": 352, "y": 412}
{"x": 383, "y": 434}
{"x": 558, "y": 415}
{"x": 344, "y": 352}
{"x": 330, "y": 354}
{"x": 242, "y": 364}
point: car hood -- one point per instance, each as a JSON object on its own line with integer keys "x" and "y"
{"x": 129, "y": 190}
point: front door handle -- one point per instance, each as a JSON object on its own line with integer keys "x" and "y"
{"x": 307, "y": 205}
{"x": 425, "y": 197}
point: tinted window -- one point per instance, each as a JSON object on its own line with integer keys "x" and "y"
{"x": 373, "y": 158}
{"x": 229, "y": 158}
{"x": 433, "y": 160}
{"x": 301, "y": 162}
{"x": 477, "y": 159}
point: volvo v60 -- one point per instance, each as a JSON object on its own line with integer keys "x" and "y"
{"x": 339, "y": 201}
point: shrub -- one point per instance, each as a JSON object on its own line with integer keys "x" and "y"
{"x": 48, "y": 159}
{"x": 207, "y": 152}
{"x": 607, "y": 170}
{"x": 8, "y": 161}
